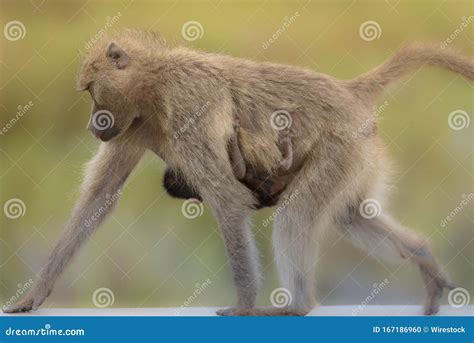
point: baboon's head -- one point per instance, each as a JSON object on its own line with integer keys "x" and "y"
{"x": 110, "y": 75}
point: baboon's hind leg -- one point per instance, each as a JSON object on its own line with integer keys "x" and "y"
{"x": 383, "y": 237}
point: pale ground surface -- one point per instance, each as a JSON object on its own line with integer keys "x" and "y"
{"x": 400, "y": 310}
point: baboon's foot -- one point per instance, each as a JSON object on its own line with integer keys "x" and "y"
{"x": 435, "y": 282}
{"x": 260, "y": 311}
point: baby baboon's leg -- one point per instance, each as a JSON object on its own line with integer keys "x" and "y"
{"x": 105, "y": 175}
{"x": 383, "y": 237}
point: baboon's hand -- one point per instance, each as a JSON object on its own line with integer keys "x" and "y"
{"x": 32, "y": 301}
{"x": 434, "y": 289}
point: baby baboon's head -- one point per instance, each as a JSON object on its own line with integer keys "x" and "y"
{"x": 113, "y": 76}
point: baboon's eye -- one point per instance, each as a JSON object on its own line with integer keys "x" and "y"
{"x": 90, "y": 89}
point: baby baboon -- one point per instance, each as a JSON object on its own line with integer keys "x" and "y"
{"x": 266, "y": 187}
{"x": 149, "y": 91}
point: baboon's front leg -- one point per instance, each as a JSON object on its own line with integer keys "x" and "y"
{"x": 105, "y": 175}
{"x": 207, "y": 167}
{"x": 243, "y": 259}
{"x": 231, "y": 203}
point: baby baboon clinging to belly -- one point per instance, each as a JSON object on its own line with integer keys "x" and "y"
{"x": 265, "y": 186}
{"x": 143, "y": 92}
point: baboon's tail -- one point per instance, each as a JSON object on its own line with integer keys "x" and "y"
{"x": 413, "y": 56}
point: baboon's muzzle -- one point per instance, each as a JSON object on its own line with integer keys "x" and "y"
{"x": 105, "y": 134}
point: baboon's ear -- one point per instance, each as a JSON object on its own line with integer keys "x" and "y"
{"x": 117, "y": 56}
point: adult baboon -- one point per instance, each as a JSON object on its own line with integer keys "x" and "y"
{"x": 148, "y": 92}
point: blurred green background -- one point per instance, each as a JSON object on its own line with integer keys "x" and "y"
{"x": 148, "y": 253}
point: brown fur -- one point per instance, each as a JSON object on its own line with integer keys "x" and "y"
{"x": 266, "y": 187}
{"x": 153, "y": 91}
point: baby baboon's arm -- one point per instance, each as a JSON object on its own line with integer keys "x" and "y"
{"x": 238, "y": 162}
{"x": 286, "y": 149}
{"x": 236, "y": 159}
{"x": 105, "y": 175}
